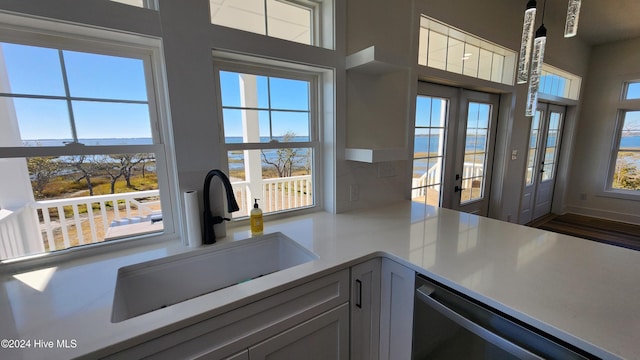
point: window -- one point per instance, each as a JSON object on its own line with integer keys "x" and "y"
{"x": 446, "y": 48}
{"x": 149, "y": 4}
{"x": 559, "y": 83}
{"x": 626, "y": 165}
{"x": 294, "y": 20}
{"x": 271, "y": 137}
{"x": 82, "y": 139}
{"x": 632, "y": 90}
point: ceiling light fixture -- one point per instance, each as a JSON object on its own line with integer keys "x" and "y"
{"x": 573, "y": 13}
{"x": 525, "y": 44}
{"x": 536, "y": 67}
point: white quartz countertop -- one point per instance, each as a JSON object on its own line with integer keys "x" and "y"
{"x": 581, "y": 291}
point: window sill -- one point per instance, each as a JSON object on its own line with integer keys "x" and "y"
{"x": 168, "y": 243}
{"x": 620, "y": 194}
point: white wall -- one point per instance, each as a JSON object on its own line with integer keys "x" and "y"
{"x": 610, "y": 65}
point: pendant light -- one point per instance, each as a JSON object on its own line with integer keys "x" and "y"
{"x": 525, "y": 44}
{"x": 573, "y": 13}
{"x": 536, "y": 66}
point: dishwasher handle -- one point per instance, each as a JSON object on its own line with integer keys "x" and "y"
{"x": 425, "y": 292}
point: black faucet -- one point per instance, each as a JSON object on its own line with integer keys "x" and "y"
{"x": 210, "y": 220}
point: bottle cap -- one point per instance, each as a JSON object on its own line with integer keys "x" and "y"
{"x": 255, "y": 206}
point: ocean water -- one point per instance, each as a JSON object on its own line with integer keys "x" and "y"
{"x": 91, "y": 142}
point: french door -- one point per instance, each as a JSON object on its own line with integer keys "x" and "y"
{"x": 453, "y": 147}
{"x": 542, "y": 161}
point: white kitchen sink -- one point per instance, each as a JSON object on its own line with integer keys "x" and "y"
{"x": 149, "y": 286}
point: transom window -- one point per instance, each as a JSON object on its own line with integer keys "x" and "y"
{"x": 447, "y": 48}
{"x": 80, "y": 135}
{"x": 559, "y": 83}
{"x": 632, "y": 90}
{"x": 149, "y": 4}
{"x": 270, "y": 136}
{"x": 294, "y": 20}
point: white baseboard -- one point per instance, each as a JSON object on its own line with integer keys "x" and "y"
{"x": 604, "y": 214}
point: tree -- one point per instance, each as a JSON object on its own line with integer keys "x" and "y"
{"x": 86, "y": 167}
{"x": 42, "y": 170}
{"x": 131, "y": 160}
{"x": 113, "y": 169}
{"x": 285, "y": 157}
{"x": 627, "y": 176}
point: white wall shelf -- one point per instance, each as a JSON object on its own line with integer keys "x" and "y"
{"x": 372, "y": 60}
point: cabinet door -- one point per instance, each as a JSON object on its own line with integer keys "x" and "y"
{"x": 396, "y": 316}
{"x": 323, "y": 337}
{"x": 365, "y": 310}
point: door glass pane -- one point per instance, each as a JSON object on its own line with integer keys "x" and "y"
{"x": 551, "y": 149}
{"x": 475, "y": 152}
{"x": 428, "y": 153}
{"x": 533, "y": 147}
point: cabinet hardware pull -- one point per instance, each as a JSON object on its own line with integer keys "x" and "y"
{"x": 359, "y": 294}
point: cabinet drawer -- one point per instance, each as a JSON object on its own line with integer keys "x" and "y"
{"x": 323, "y": 337}
{"x": 231, "y": 332}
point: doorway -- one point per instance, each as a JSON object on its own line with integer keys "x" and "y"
{"x": 542, "y": 161}
{"x": 453, "y": 147}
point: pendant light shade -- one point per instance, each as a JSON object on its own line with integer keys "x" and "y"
{"x": 573, "y": 13}
{"x": 525, "y": 44}
{"x": 536, "y": 70}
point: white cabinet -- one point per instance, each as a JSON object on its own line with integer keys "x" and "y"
{"x": 381, "y": 310}
{"x": 365, "y": 310}
{"x": 321, "y": 338}
{"x": 396, "y": 315}
{"x": 262, "y": 326}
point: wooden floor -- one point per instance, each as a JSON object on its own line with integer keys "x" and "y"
{"x": 606, "y": 231}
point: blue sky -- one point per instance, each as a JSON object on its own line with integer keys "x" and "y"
{"x": 37, "y": 71}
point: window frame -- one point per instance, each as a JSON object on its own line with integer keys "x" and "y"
{"x": 321, "y": 22}
{"x": 622, "y": 108}
{"x": 281, "y": 69}
{"x": 54, "y": 35}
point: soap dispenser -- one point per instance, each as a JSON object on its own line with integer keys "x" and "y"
{"x": 256, "y": 219}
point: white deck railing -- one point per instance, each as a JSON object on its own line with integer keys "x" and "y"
{"x": 470, "y": 171}
{"x": 277, "y": 194}
{"x": 66, "y": 222}
{"x": 11, "y": 234}
{"x": 106, "y": 208}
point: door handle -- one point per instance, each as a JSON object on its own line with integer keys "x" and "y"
{"x": 457, "y": 176}
{"x": 458, "y": 189}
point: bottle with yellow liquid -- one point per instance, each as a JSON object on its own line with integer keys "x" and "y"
{"x": 255, "y": 218}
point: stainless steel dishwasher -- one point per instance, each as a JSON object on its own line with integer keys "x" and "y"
{"x": 450, "y": 325}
